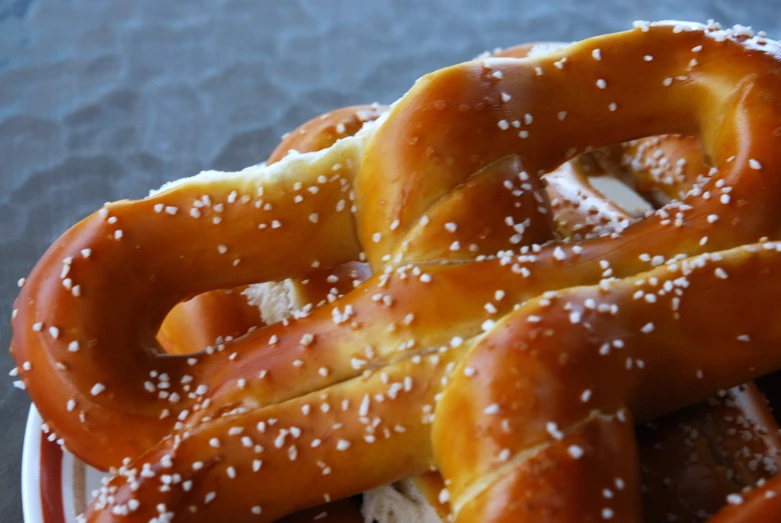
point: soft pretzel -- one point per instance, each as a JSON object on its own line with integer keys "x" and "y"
{"x": 400, "y": 324}
{"x": 693, "y": 459}
{"x": 577, "y": 206}
{"x": 552, "y": 449}
{"x": 216, "y": 315}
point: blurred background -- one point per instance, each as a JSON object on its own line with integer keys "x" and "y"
{"x": 103, "y": 100}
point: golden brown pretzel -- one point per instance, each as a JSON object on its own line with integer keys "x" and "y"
{"x": 411, "y": 291}
{"x": 575, "y": 206}
{"x": 583, "y": 439}
{"x": 691, "y": 460}
{"x": 213, "y": 315}
{"x": 201, "y": 321}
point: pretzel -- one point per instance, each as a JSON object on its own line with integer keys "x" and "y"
{"x": 678, "y": 482}
{"x": 213, "y": 315}
{"x": 585, "y": 437}
{"x": 217, "y": 315}
{"x": 432, "y": 164}
{"x": 577, "y": 206}
{"x": 684, "y": 488}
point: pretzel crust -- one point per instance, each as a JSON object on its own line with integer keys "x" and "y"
{"x": 121, "y": 235}
{"x": 540, "y": 402}
{"x": 417, "y": 339}
{"x": 193, "y": 325}
{"x": 761, "y": 505}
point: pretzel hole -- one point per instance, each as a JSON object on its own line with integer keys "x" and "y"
{"x": 211, "y": 319}
{"x": 621, "y": 194}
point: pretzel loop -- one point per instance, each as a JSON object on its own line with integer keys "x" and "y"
{"x": 147, "y": 256}
{"x": 461, "y": 115}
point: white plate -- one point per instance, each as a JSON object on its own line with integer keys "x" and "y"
{"x": 56, "y": 485}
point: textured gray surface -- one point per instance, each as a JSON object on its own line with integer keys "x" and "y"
{"x": 105, "y": 100}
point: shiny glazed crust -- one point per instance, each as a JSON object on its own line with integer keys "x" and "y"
{"x": 344, "y": 399}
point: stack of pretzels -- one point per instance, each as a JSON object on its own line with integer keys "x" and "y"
{"x": 432, "y": 304}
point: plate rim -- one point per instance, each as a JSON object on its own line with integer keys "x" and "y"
{"x": 42, "y": 474}
{"x": 32, "y": 510}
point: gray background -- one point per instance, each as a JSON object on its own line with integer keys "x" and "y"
{"x": 101, "y": 100}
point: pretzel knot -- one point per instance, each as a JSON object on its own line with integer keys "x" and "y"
{"x": 512, "y": 362}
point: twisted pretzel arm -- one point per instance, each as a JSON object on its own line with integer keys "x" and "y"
{"x": 461, "y": 109}
{"x": 526, "y": 403}
{"x": 660, "y": 168}
{"x": 579, "y": 209}
{"x": 737, "y": 433}
{"x": 496, "y": 208}
{"x": 310, "y": 445}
